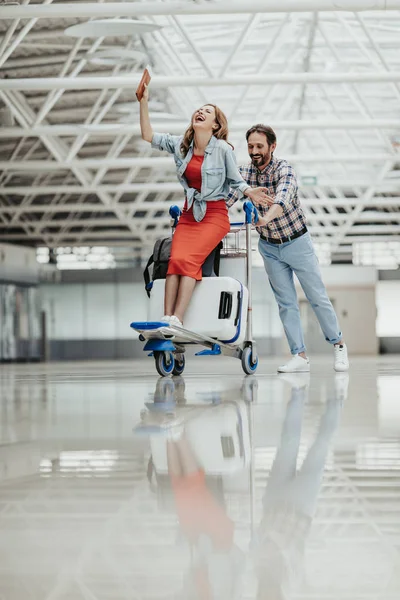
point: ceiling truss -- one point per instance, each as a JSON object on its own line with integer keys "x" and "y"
{"x": 325, "y": 75}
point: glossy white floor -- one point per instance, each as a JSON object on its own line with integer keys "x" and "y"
{"x": 117, "y": 485}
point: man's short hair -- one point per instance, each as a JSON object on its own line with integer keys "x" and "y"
{"x": 267, "y": 131}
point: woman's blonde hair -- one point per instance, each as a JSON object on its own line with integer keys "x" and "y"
{"x": 221, "y": 133}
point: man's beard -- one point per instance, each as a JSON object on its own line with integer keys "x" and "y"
{"x": 262, "y": 160}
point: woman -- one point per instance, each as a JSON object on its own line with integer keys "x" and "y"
{"x": 217, "y": 563}
{"x": 206, "y": 168}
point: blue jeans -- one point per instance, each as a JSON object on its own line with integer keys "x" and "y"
{"x": 301, "y": 488}
{"x": 298, "y": 256}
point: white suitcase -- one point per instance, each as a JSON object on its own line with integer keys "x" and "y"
{"x": 218, "y": 308}
{"x": 219, "y": 438}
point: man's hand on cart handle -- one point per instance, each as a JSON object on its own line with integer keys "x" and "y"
{"x": 268, "y": 201}
{"x": 262, "y": 222}
{"x": 259, "y": 196}
{"x": 273, "y": 213}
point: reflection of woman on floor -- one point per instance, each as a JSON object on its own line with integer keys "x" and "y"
{"x": 205, "y": 524}
{"x": 290, "y": 501}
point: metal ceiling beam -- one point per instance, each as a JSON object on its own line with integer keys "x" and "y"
{"x": 131, "y": 207}
{"x": 221, "y": 44}
{"x": 55, "y": 95}
{"x": 91, "y": 163}
{"x": 172, "y": 186}
{"x": 348, "y": 227}
{"x": 128, "y": 9}
{"x": 19, "y": 37}
{"x": 122, "y": 237}
{"x": 59, "y": 149}
{"x": 306, "y": 69}
{"x": 160, "y": 81}
{"x": 316, "y": 220}
{"x": 264, "y": 61}
{"x": 4, "y": 40}
{"x": 111, "y": 129}
{"x": 373, "y": 94}
{"x": 166, "y": 161}
{"x": 91, "y": 235}
{"x": 37, "y": 61}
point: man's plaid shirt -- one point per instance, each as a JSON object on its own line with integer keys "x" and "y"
{"x": 280, "y": 180}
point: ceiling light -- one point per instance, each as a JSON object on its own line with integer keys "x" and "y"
{"x": 116, "y": 56}
{"x": 111, "y": 28}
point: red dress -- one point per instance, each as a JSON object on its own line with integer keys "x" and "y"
{"x": 200, "y": 513}
{"x": 193, "y": 241}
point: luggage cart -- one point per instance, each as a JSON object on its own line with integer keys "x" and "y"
{"x": 166, "y": 342}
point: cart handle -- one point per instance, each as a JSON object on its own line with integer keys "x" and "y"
{"x": 250, "y": 210}
{"x": 175, "y": 212}
{"x": 248, "y": 207}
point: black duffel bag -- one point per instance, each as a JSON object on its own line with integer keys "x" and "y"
{"x": 160, "y": 257}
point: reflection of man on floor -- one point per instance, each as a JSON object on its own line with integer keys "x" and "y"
{"x": 205, "y": 524}
{"x": 290, "y": 500}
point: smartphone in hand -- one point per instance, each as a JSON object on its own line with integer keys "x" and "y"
{"x": 146, "y": 78}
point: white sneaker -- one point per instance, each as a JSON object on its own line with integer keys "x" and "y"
{"x": 297, "y": 364}
{"x": 341, "y": 387}
{"x": 175, "y": 321}
{"x": 341, "y": 358}
{"x": 173, "y": 428}
{"x": 166, "y": 330}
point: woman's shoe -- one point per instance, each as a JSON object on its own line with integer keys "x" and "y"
{"x": 175, "y": 321}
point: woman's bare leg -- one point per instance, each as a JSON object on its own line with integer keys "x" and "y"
{"x": 171, "y": 293}
{"x": 185, "y": 292}
{"x": 181, "y": 458}
{"x": 173, "y": 460}
{"x": 188, "y": 460}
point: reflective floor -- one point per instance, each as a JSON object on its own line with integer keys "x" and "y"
{"x": 115, "y": 484}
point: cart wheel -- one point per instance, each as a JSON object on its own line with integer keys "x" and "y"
{"x": 179, "y": 366}
{"x": 165, "y": 363}
{"x": 248, "y": 366}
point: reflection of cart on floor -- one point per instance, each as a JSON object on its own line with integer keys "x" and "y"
{"x": 200, "y": 455}
{"x": 219, "y": 316}
{"x": 216, "y": 424}
{"x": 217, "y": 430}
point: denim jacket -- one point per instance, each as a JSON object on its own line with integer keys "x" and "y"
{"x": 219, "y": 172}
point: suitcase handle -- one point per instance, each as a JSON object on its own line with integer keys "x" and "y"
{"x": 239, "y": 308}
{"x": 225, "y": 305}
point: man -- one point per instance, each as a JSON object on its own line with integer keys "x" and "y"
{"x": 290, "y": 499}
{"x": 286, "y": 248}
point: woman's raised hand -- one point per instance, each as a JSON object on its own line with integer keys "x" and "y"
{"x": 145, "y": 125}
